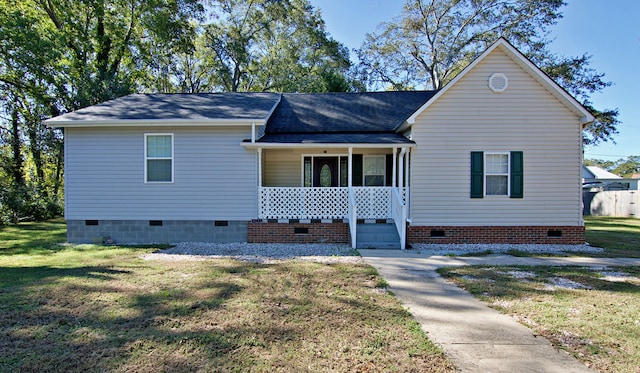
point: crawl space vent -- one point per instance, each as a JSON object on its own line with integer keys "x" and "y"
{"x": 498, "y": 82}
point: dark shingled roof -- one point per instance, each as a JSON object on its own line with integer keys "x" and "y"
{"x": 178, "y": 106}
{"x": 299, "y": 118}
{"x": 345, "y": 112}
{"x": 336, "y": 138}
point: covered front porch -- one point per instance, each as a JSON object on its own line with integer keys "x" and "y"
{"x": 325, "y": 183}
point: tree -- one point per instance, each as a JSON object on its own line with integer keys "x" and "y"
{"x": 627, "y": 167}
{"x": 433, "y": 40}
{"x": 58, "y": 56}
{"x": 622, "y": 167}
{"x": 109, "y": 44}
{"x": 265, "y": 45}
{"x": 606, "y": 165}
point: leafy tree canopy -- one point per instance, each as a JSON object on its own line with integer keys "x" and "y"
{"x": 433, "y": 40}
{"x": 62, "y": 55}
{"x": 622, "y": 167}
{"x": 261, "y": 45}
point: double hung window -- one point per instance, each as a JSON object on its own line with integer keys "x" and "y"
{"x": 158, "y": 149}
{"x": 497, "y": 174}
{"x": 374, "y": 170}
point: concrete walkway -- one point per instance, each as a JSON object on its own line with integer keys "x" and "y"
{"x": 475, "y": 337}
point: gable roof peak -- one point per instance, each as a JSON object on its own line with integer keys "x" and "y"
{"x": 345, "y": 112}
{"x": 526, "y": 64}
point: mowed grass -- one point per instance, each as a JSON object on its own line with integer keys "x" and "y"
{"x": 619, "y": 236}
{"x": 592, "y": 313}
{"x": 94, "y": 308}
{"x": 594, "y": 317}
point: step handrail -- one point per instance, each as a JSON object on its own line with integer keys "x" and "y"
{"x": 353, "y": 217}
{"x": 399, "y": 211}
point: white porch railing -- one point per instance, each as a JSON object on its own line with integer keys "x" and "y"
{"x": 303, "y": 203}
{"x": 324, "y": 203}
{"x": 336, "y": 203}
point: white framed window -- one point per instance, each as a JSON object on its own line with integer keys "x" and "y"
{"x": 373, "y": 172}
{"x": 158, "y": 154}
{"x": 497, "y": 168}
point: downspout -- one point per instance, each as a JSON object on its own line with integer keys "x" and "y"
{"x": 253, "y": 132}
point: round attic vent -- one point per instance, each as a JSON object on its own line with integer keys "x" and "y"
{"x": 498, "y": 82}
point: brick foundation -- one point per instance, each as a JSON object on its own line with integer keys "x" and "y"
{"x": 565, "y": 235}
{"x": 274, "y": 232}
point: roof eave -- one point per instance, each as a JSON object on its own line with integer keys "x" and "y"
{"x": 277, "y": 145}
{"x": 153, "y": 123}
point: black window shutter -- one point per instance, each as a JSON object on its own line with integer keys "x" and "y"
{"x": 477, "y": 174}
{"x": 389, "y": 169}
{"x": 357, "y": 169}
{"x": 517, "y": 175}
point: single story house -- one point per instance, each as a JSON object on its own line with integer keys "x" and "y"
{"x": 493, "y": 157}
{"x": 596, "y": 179}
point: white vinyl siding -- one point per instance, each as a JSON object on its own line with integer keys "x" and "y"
{"x": 214, "y": 176}
{"x": 470, "y": 117}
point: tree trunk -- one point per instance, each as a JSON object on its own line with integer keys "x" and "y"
{"x": 16, "y": 148}
{"x": 36, "y": 153}
{"x": 59, "y": 156}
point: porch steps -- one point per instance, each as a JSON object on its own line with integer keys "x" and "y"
{"x": 377, "y": 236}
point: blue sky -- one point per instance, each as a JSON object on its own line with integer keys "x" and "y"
{"x": 607, "y": 30}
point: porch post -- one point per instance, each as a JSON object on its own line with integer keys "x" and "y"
{"x": 350, "y": 173}
{"x": 401, "y": 183}
{"x": 260, "y": 167}
{"x": 406, "y": 165}
{"x": 394, "y": 182}
{"x": 407, "y": 202}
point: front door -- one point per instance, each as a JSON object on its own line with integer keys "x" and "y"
{"x": 325, "y": 171}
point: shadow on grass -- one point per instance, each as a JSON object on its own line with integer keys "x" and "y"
{"x": 68, "y": 330}
{"x": 32, "y": 238}
{"x": 18, "y": 276}
{"x": 482, "y": 281}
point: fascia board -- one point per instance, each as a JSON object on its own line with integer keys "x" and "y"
{"x": 154, "y": 123}
{"x": 268, "y": 145}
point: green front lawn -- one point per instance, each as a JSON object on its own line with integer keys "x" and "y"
{"x": 619, "y": 236}
{"x": 96, "y": 308}
{"x": 593, "y": 314}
